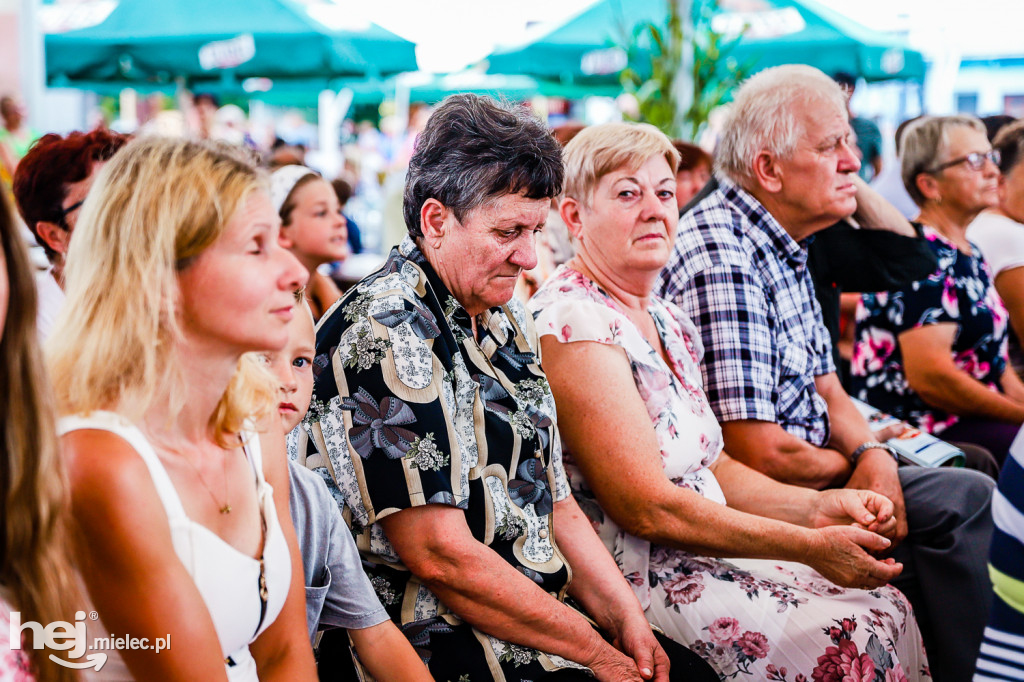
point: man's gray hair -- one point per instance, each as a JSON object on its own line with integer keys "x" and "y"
{"x": 763, "y": 117}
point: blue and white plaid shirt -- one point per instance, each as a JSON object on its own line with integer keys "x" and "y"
{"x": 744, "y": 281}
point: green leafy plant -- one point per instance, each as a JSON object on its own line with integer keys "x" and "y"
{"x": 691, "y": 72}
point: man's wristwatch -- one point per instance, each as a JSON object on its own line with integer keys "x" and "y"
{"x": 873, "y": 445}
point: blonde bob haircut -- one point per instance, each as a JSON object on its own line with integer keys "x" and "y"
{"x": 602, "y": 149}
{"x": 924, "y": 143}
{"x": 154, "y": 208}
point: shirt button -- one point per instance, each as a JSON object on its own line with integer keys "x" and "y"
{"x": 543, "y": 534}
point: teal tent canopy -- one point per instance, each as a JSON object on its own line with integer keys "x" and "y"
{"x": 150, "y": 43}
{"x": 807, "y": 32}
{"x": 587, "y": 49}
{"x": 432, "y": 88}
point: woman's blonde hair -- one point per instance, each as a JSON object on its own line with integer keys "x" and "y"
{"x": 601, "y": 149}
{"x": 153, "y": 209}
{"x": 34, "y": 565}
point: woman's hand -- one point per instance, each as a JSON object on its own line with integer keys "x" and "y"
{"x": 862, "y": 508}
{"x": 611, "y": 665}
{"x": 843, "y": 555}
{"x": 874, "y": 212}
{"x": 598, "y": 585}
{"x": 636, "y": 639}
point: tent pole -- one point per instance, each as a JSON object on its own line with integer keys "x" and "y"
{"x": 32, "y": 62}
{"x": 682, "y": 84}
{"x": 331, "y": 110}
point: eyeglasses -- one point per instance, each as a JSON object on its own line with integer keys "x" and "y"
{"x": 62, "y": 214}
{"x": 975, "y": 161}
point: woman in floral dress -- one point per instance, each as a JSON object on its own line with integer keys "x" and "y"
{"x": 644, "y": 456}
{"x": 433, "y": 422}
{"x": 935, "y": 353}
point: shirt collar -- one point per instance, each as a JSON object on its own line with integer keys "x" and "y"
{"x": 788, "y": 248}
{"x": 489, "y": 319}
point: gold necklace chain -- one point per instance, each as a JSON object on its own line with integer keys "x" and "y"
{"x": 224, "y": 508}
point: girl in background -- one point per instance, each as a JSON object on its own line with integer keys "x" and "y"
{"x": 312, "y": 228}
{"x": 338, "y": 593}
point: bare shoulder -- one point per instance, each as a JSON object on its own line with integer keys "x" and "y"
{"x": 93, "y": 455}
{"x": 108, "y": 477}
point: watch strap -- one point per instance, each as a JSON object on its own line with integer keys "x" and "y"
{"x": 872, "y": 445}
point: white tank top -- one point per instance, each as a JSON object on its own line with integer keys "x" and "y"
{"x": 228, "y": 580}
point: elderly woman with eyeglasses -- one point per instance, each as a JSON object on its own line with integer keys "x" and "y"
{"x": 935, "y": 352}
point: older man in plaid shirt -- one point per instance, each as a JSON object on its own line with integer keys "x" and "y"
{"x": 739, "y": 269}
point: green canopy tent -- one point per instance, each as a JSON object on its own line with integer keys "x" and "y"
{"x": 583, "y": 52}
{"x": 432, "y": 88}
{"x": 141, "y": 43}
{"x": 587, "y": 49}
{"x": 224, "y": 46}
{"x": 807, "y": 32}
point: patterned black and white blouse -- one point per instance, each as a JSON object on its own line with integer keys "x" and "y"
{"x": 409, "y": 409}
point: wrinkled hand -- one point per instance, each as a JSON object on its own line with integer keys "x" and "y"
{"x": 636, "y": 639}
{"x": 842, "y": 554}
{"x": 862, "y": 508}
{"x": 877, "y": 471}
{"x": 611, "y": 665}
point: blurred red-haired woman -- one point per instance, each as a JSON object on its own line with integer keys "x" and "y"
{"x": 50, "y": 185}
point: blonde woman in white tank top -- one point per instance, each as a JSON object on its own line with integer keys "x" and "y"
{"x": 175, "y": 277}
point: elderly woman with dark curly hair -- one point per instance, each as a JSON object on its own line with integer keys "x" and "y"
{"x": 434, "y": 420}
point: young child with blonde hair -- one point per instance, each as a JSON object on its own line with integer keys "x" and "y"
{"x": 338, "y": 593}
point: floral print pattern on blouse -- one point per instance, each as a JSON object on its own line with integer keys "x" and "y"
{"x": 751, "y": 619}
{"x": 960, "y": 292}
{"x": 573, "y": 308}
{"x": 409, "y": 409}
{"x": 14, "y": 663}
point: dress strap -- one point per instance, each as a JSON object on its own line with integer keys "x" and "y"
{"x": 114, "y": 423}
{"x": 253, "y": 453}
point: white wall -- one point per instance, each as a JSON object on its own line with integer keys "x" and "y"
{"x": 991, "y": 84}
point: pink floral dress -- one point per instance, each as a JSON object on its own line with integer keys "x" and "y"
{"x": 959, "y": 292}
{"x": 14, "y": 663}
{"x": 751, "y": 619}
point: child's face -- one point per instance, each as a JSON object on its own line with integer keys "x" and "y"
{"x": 293, "y": 367}
{"x": 317, "y": 232}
